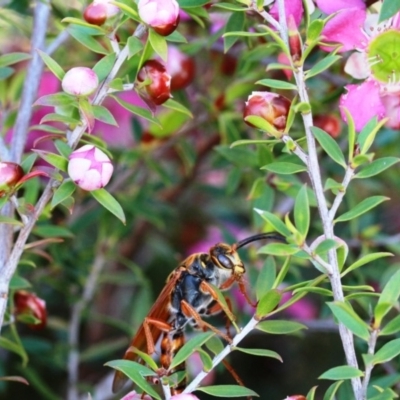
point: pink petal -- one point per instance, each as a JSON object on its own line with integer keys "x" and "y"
{"x": 292, "y": 7}
{"x": 330, "y": 6}
{"x": 363, "y": 102}
{"x": 392, "y": 107}
{"x": 357, "y": 66}
{"x": 346, "y": 28}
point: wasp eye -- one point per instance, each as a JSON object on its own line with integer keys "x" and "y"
{"x": 224, "y": 261}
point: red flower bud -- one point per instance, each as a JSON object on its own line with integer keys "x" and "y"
{"x": 181, "y": 67}
{"x": 295, "y": 45}
{"x": 273, "y": 107}
{"x": 27, "y": 303}
{"x": 10, "y": 174}
{"x": 95, "y": 14}
{"x": 329, "y": 123}
{"x": 157, "y": 82}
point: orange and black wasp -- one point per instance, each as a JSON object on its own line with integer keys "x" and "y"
{"x": 187, "y": 297}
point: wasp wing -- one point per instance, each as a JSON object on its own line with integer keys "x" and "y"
{"x": 159, "y": 311}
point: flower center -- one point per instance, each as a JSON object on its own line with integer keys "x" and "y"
{"x": 384, "y": 57}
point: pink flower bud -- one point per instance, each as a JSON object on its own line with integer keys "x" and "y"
{"x": 29, "y": 304}
{"x": 184, "y": 396}
{"x": 273, "y": 107}
{"x": 10, "y": 174}
{"x": 161, "y": 15}
{"x": 111, "y": 9}
{"x": 159, "y": 86}
{"x": 90, "y": 168}
{"x": 80, "y": 81}
{"x": 135, "y": 396}
{"x": 95, "y": 14}
{"x": 181, "y": 67}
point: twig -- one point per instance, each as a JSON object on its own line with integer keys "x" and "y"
{"x": 296, "y": 149}
{"x": 57, "y": 42}
{"x": 369, "y": 367}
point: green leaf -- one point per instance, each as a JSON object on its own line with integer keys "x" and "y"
{"x": 276, "y": 84}
{"x": 17, "y": 282}
{"x": 260, "y": 352}
{"x": 10, "y": 221}
{"x": 262, "y": 124}
{"x": 53, "y": 66}
{"x": 130, "y": 12}
{"x": 367, "y": 135}
{"x": 280, "y": 327}
{"x": 52, "y": 231}
{"x": 322, "y": 65}
{"x": 376, "y": 167}
{"x": 285, "y": 168}
{"x": 274, "y": 221}
{"x": 391, "y": 327}
{"x": 190, "y": 347}
{"x": 388, "y": 297}
{"x": 351, "y": 133}
{"x": 55, "y": 100}
{"x": 89, "y": 28}
{"x": 230, "y": 391}
{"x": 389, "y": 9}
{"x": 346, "y": 315}
{"x": 331, "y": 392}
{"x": 311, "y": 393}
{"x": 6, "y": 72}
{"x": 66, "y": 189}
{"x": 329, "y": 145}
{"x": 230, "y": 7}
{"x": 135, "y": 372}
{"x": 63, "y": 148}
{"x": 235, "y": 23}
{"x": 361, "y": 208}
{"x": 56, "y": 160}
{"x": 13, "y": 58}
{"x": 134, "y": 46}
{"x": 365, "y": 260}
{"x": 325, "y": 246}
{"x": 192, "y": 3}
{"x": 343, "y": 372}
{"x": 65, "y": 119}
{"x": 102, "y": 114}
{"x": 104, "y": 66}
{"x": 278, "y": 249}
{"x": 159, "y": 44}
{"x": 14, "y": 348}
{"x": 387, "y": 352}
{"x": 314, "y": 30}
{"x": 86, "y": 40}
{"x": 266, "y": 277}
{"x": 268, "y": 303}
{"x": 110, "y": 203}
{"x": 174, "y": 105}
{"x": 302, "y": 212}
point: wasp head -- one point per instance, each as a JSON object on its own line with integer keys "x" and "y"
{"x": 227, "y": 259}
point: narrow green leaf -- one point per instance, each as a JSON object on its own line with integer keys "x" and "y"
{"x": 13, "y": 58}
{"x": 230, "y": 7}
{"x": 311, "y": 393}
{"x": 14, "y": 348}
{"x": 66, "y": 189}
{"x": 262, "y": 124}
{"x": 260, "y": 352}
{"x": 275, "y": 222}
{"x": 367, "y": 135}
{"x": 142, "y": 112}
{"x": 229, "y": 391}
{"x": 53, "y": 66}
{"x": 276, "y": 84}
{"x": 376, "y": 167}
{"x": 17, "y": 282}
{"x": 86, "y": 40}
{"x": 176, "y": 37}
{"x": 266, "y": 277}
{"x": 389, "y": 9}
{"x": 104, "y": 66}
{"x": 103, "y": 114}
{"x": 110, "y": 203}
{"x": 325, "y": 246}
{"x": 63, "y": 148}
{"x": 278, "y": 249}
{"x": 302, "y": 212}
{"x": 322, "y": 65}
{"x": 54, "y": 117}
{"x": 10, "y": 221}
{"x": 129, "y": 11}
{"x": 343, "y": 372}
{"x": 55, "y": 100}
{"x": 190, "y": 347}
{"x": 80, "y": 22}
{"x": 285, "y": 168}
{"x": 235, "y": 23}
{"x": 387, "y": 352}
{"x": 329, "y": 145}
{"x": 56, "y": 160}
{"x": 174, "y": 105}
{"x": 214, "y": 344}
{"x": 314, "y": 30}
{"x": 391, "y": 328}
{"x": 159, "y": 44}
{"x": 134, "y": 46}
{"x": 346, "y": 315}
{"x": 280, "y": 327}
{"x": 268, "y": 302}
{"x": 6, "y": 72}
{"x": 282, "y": 273}
{"x": 388, "y": 297}
{"x": 351, "y": 133}
{"x": 361, "y": 208}
{"x": 331, "y": 392}
{"x": 365, "y": 260}
{"x": 320, "y": 291}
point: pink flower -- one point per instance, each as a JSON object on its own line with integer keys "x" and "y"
{"x": 374, "y": 60}
{"x": 303, "y": 309}
{"x": 161, "y": 15}
{"x": 184, "y": 396}
{"x": 90, "y": 168}
{"x": 135, "y": 396}
{"x": 111, "y": 9}
{"x": 80, "y": 81}
{"x": 293, "y": 8}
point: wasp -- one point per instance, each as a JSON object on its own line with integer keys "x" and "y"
{"x": 188, "y": 296}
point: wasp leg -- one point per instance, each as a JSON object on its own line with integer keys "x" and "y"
{"x": 215, "y": 308}
{"x": 190, "y": 312}
{"x": 234, "y": 374}
{"x": 161, "y": 325}
{"x": 243, "y": 290}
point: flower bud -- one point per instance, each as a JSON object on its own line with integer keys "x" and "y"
{"x": 10, "y": 174}
{"x": 184, "y": 396}
{"x": 27, "y": 303}
{"x": 157, "y": 82}
{"x": 135, "y": 396}
{"x": 111, "y": 9}
{"x": 80, "y": 81}
{"x": 329, "y": 123}
{"x": 295, "y": 397}
{"x": 95, "y": 14}
{"x": 181, "y": 67}
{"x": 90, "y": 168}
{"x": 295, "y": 45}
{"x": 161, "y": 15}
{"x": 273, "y": 107}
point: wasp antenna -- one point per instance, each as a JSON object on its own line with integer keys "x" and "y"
{"x": 260, "y": 236}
